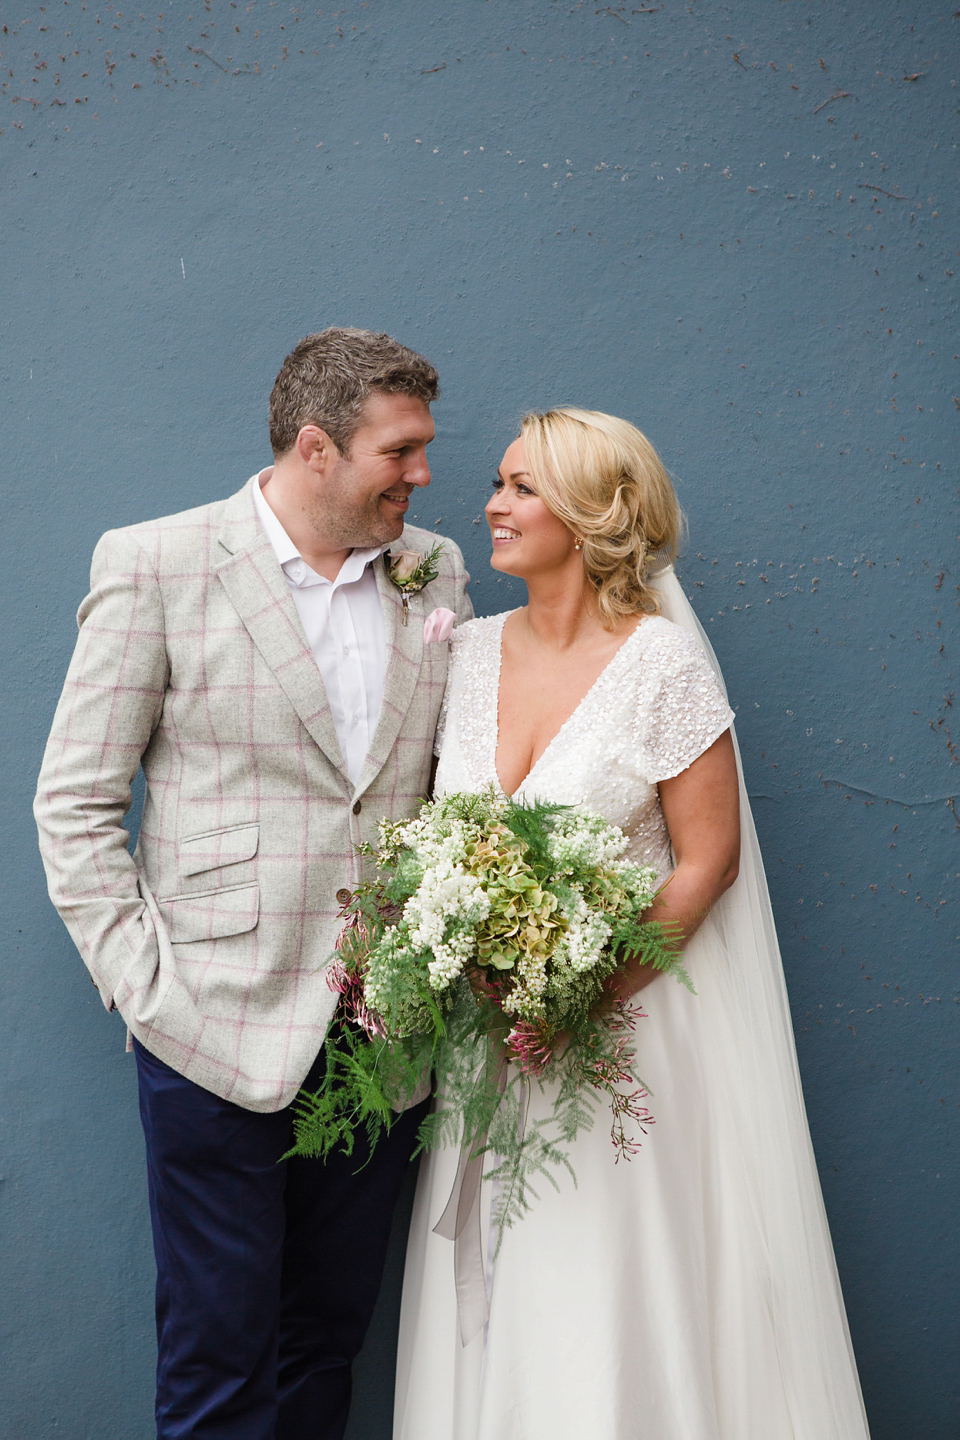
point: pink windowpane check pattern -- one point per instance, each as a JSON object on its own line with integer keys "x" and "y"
{"x": 191, "y": 659}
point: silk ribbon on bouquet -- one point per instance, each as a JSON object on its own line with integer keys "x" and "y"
{"x": 460, "y": 1222}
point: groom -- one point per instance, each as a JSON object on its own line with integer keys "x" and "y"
{"x": 255, "y": 657}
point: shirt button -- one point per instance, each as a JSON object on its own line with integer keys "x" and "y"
{"x": 343, "y": 896}
{"x": 357, "y": 807}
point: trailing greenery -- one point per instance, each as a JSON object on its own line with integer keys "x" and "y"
{"x": 482, "y": 952}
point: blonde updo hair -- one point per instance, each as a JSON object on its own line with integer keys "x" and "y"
{"x": 605, "y": 481}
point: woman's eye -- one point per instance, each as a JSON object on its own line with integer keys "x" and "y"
{"x": 497, "y": 483}
{"x": 524, "y": 490}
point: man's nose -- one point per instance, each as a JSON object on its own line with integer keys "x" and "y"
{"x": 418, "y": 471}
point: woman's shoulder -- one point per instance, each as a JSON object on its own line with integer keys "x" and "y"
{"x": 482, "y": 623}
{"x": 667, "y": 644}
{"x": 482, "y": 631}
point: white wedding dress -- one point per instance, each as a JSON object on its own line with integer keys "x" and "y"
{"x": 688, "y": 1293}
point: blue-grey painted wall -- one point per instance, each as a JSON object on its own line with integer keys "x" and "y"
{"x": 735, "y": 224}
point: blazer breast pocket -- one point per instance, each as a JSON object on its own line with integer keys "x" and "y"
{"x": 211, "y": 914}
{"x": 212, "y": 849}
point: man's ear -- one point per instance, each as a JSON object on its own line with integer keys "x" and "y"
{"x": 316, "y": 449}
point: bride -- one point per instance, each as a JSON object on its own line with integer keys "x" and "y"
{"x": 689, "y": 1293}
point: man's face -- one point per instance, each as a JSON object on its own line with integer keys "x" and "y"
{"x": 365, "y": 496}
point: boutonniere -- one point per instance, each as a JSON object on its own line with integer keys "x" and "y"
{"x": 410, "y": 571}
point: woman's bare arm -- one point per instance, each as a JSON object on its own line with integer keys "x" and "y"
{"x": 701, "y": 806}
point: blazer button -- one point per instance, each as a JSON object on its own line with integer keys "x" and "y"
{"x": 357, "y": 807}
{"x": 343, "y": 896}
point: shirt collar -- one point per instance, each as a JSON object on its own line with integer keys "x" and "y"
{"x": 296, "y": 569}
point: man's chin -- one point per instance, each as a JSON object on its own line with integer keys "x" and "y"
{"x": 383, "y": 531}
{"x": 391, "y": 527}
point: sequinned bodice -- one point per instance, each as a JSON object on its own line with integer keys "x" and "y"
{"x": 654, "y": 708}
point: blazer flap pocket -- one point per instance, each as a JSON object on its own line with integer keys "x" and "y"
{"x": 217, "y": 847}
{"x": 211, "y": 914}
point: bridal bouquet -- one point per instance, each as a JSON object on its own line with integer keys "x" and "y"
{"x": 482, "y": 950}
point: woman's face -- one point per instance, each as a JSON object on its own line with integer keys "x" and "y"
{"x": 528, "y": 539}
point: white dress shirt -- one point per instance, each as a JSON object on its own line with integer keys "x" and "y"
{"x": 343, "y": 622}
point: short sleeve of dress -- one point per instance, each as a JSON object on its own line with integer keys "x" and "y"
{"x": 684, "y": 707}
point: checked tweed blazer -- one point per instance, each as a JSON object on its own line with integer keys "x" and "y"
{"x": 212, "y": 939}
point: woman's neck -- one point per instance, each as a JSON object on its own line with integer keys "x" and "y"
{"x": 559, "y": 615}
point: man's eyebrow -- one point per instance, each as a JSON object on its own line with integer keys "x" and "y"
{"x": 404, "y": 440}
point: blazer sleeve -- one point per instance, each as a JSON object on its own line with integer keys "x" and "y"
{"x": 110, "y": 707}
{"x": 461, "y": 579}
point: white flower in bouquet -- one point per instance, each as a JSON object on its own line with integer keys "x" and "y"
{"x": 493, "y": 928}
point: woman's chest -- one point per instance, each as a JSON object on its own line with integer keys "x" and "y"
{"x": 542, "y": 693}
{"x": 594, "y": 763}
{"x": 591, "y": 760}
{"x": 535, "y": 701}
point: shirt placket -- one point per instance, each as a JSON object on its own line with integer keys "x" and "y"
{"x": 352, "y": 680}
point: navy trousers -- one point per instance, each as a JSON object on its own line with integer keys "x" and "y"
{"x": 267, "y": 1272}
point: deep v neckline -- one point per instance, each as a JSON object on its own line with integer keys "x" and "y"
{"x": 570, "y": 718}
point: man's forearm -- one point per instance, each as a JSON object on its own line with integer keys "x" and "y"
{"x": 110, "y": 705}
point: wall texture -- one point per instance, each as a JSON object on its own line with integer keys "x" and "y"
{"x": 735, "y": 224}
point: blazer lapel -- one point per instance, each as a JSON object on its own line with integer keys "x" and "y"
{"x": 258, "y": 590}
{"x": 404, "y": 659}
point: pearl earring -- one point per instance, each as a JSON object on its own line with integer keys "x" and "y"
{"x": 577, "y": 543}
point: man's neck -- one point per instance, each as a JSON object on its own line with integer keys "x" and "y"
{"x": 284, "y": 495}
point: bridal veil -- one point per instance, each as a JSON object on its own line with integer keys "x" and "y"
{"x": 753, "y": 1065}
